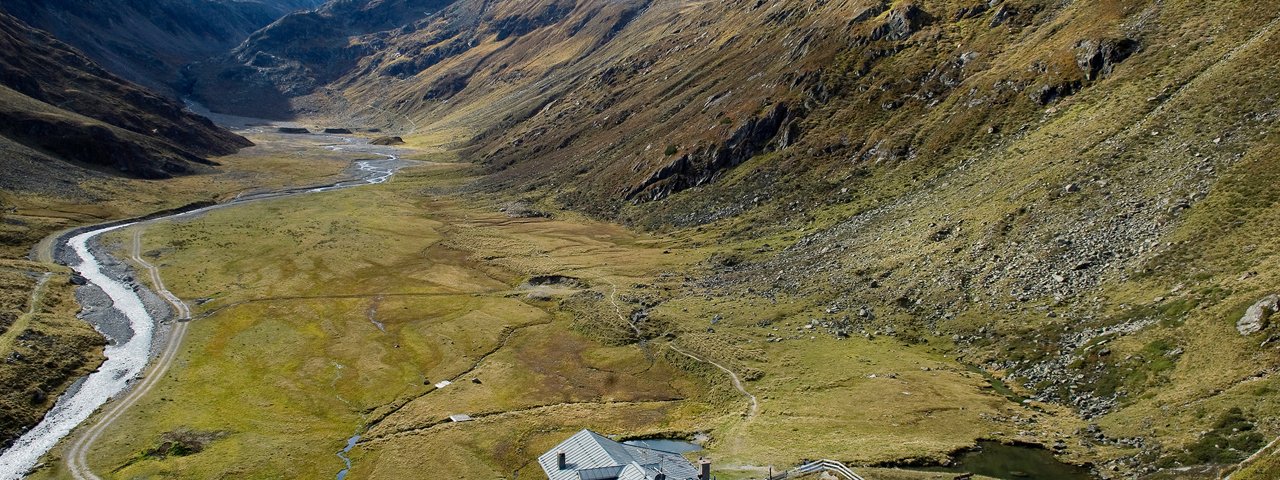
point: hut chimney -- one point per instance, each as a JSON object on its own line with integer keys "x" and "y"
{"x": 560, "y": 460}
{"x": 706, "y": 469}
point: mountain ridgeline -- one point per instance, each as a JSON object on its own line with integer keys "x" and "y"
{"x": 299, "y": 54}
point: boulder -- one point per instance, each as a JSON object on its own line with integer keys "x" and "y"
{"x": 1097, "y": 57}
{"x": 387, "y": 141}
{"x": 1255, "y": 318}
{"x": 901, "y": 23}
{"x": 523, "y": 209}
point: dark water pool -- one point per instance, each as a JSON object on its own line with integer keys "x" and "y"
{"x": 1009, "y": 462}
{"x": 665, "y": 445}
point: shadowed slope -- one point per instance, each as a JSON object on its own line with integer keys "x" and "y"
{"x": 298, "y": 53}
{"x": 62, "y": 104}
{"x": 151, "y": 41}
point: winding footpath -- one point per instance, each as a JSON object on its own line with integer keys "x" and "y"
{"x": 733, "y": 377}
{"x": 126, "y": 360}
{"x": 20, "y": 325}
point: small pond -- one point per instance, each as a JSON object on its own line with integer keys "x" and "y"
{"x": 665, "y": 445}
{"x": 1010, "y": 462}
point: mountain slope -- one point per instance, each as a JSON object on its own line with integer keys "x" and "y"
{"x": 299, "y": 53}
{"x": 61, "y": 104}
{"x": 1080, "y": 197}
{"x": 150, "y": 42}
{"x": 1029, "y": 180}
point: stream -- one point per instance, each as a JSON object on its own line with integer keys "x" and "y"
{"x": 351, "y": 443}
{"x": 127, "y": 322}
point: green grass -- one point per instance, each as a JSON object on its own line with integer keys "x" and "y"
{"x": 285, "y": 362}
{"x": 1267, "y": 466}
{"x": 956, "y": 204}
{"x": 292, "y": 288}
{"x": 1232, "y": 439}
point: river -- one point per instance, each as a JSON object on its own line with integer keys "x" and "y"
{"x": 130, "y": 346}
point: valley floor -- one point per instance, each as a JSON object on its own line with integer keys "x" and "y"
{"x": 320, "y": 317}
{"x": 46, "y": 346}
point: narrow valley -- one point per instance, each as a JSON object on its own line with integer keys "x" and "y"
{"x": 640, "y": 239}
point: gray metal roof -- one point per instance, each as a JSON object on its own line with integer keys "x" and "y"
{"x": 633, "y": 471}
{"x": 591, "y": 456}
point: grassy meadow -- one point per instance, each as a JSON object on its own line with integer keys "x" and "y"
{"x": 48, "y": 346}
{"x": 321, "y": 316}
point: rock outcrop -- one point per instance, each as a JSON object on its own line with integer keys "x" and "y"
{"x": 1097, "y": 58}
{"x": 774, "y": 129}
{"x": 1256, "y": 318}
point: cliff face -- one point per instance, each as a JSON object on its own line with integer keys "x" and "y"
{"x": 60, "y": 104}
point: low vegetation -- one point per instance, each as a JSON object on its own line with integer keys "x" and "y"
{"x": 43, "y": 345}
{"x": 343, "y": 321}
{"x": 904, "y": 226}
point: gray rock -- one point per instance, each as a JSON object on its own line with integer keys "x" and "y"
{"x": 1255, "y": 318}
{"x": 523, "y": 209}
